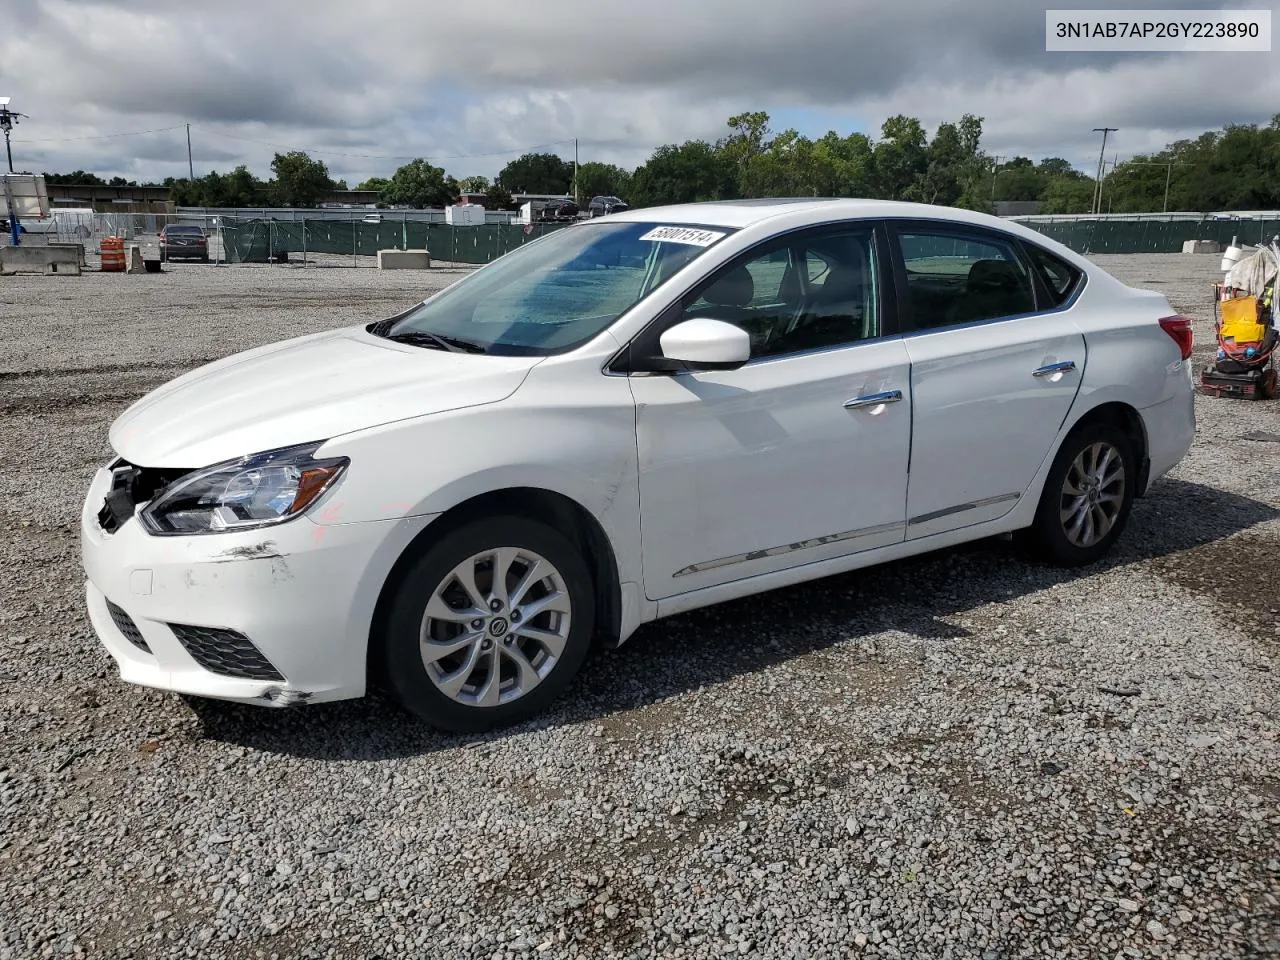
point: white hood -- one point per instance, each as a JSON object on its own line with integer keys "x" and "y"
{"x": 310, "y": 388}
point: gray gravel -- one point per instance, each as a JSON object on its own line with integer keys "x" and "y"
{"x": 962, "y": 755}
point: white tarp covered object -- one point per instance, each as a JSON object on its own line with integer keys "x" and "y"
{"x": 1254, "y": 272}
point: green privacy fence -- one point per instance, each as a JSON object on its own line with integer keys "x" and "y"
{"x": 258, "y": 240}
{"x": 1106, "y": 235}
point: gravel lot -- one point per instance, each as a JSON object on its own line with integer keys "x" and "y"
{"x": 957, "y": 756}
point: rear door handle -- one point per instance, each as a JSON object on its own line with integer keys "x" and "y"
{"x": 873, "y": 399}
{"x": 1049, "y": 369}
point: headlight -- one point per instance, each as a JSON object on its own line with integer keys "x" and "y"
{"x": 256, "y": 491}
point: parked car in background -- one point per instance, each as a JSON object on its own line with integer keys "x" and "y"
{"x": 182, "y": 241}
{"x": 658, "y": 411}
{"x": 600, "y": 206}
{"x": 559, "y": 210}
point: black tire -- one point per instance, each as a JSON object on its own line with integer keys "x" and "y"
{"x": 401, "y": 668}
{"x": 205, "y": 258}
{"x": 1048, "y": 535}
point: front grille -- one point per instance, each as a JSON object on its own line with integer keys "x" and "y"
{"x": 225, "y": 652}
{"x": 124, "y": 623}
{"x": 131, "y": 486}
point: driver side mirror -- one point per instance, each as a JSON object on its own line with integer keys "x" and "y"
{"x": 705, "y": 344}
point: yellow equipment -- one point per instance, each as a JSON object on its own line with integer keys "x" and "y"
{"x": 1240, "y": 323}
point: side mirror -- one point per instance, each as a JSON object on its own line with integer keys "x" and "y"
{"x": 705, "y": 344}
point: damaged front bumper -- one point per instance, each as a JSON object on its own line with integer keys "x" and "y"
{"x": 277, "y": 617}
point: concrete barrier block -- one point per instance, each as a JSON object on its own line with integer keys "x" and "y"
{"x": 133, "y": 261}
{"x": 403, "y": 260}
{"x": 70, "y": 245}
{"x": 39, "y": 260}
{"x": 1201, "y": 246}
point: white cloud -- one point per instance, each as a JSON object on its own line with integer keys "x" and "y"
{"x": 472, "y": 85}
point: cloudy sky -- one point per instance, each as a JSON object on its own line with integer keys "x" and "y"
{"x": 364, "y": 86}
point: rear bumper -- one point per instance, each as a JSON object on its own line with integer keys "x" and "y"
{"x": 1171, "y": 429}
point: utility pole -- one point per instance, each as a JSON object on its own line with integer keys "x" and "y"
{"x": 7, "y": 120}
{"x": 995, "y": 169}
{"x": 1168, "y": 174}
{"x": 1097, "y": 187}
{"x": 575, "y": 170}
{"x": 191, "y": 170}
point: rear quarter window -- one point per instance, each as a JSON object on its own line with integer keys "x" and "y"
{"x": 1060, "y": 278}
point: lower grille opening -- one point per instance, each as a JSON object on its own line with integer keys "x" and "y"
{"x": 124, "y": 623}
{"x": 225, "y": 652}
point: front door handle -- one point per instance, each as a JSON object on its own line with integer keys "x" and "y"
{"x": 1049, "y": 369}
{"x": 874, "y": 399}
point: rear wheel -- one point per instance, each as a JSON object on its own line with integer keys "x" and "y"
{"x": 489, "y": 625}
{"x": 1087, "y": 496}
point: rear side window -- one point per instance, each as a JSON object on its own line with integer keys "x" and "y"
{"x": 1060, "y": 277}
{"x": 955, "y": 278}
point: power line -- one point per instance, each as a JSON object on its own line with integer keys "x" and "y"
{"x": 374, "y": 156}
{"x": 103, "y": 136}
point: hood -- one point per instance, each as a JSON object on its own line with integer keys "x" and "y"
{"x": 310, "y": 388}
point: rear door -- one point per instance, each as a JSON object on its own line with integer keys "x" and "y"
{"x": 996, "y": 362}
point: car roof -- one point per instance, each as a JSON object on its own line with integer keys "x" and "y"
{"x": 745, "y": 213}
{"x": 737, "y": 214}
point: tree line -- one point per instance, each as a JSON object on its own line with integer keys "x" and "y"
{"x": 1237, "y": 167}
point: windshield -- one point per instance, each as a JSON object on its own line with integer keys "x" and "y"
{"x": 555, "y": 293}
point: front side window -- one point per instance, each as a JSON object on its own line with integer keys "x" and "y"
{"x": 955, "y": 279}
{"x": 555, "y": 293}
{"x": 797, "y": 294}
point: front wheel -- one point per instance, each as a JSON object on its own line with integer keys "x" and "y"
{"x": 489, "y": 625}
{"x": 1087, "y": 496}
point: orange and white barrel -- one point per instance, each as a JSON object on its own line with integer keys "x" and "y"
{"x": 112, "y": 252}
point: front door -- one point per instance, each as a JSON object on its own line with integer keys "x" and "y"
{"x": 801, "y": 454}
{"x": 994, "y": 372}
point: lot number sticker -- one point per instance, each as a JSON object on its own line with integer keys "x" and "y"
{"x": 690, "y": 235}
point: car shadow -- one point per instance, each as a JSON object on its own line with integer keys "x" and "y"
{"x": 715, "y": 644}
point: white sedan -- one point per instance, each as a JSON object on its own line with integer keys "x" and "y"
{"x": 638, "y": 415}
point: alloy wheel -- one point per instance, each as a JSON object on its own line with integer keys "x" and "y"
{"x": 495, "y": 627}
{"x": 1092, "y": 494}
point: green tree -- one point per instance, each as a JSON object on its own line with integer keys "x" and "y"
{"x": 242, "y": 188}
{"x": 602, "y": 180}
{"x": 497, "y": 197}
{"x": 537, "y": 173}
{"x": 750, "y": 139}
{"x": 1068, "y": 195}
{"x": 374, "y": 183}
{"x": 901, "y": 159}
{"x": 419, "y": 184}
{"x": 473, "y": 184}
{"x": 299, "y": 180}
{"x": 689, "y": 172}
{"x": 76, "y": 178}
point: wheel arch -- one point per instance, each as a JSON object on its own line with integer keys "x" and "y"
{"x": 1127, "y": 418}
{"x": 556, "y": 509}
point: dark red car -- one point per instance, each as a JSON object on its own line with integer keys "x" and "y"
{"x": 180, "y": 241}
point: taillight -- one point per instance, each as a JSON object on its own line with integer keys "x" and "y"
{"x": 1180, "y": 329}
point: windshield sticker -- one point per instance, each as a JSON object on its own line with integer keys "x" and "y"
{"x": 690, "y": 235}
